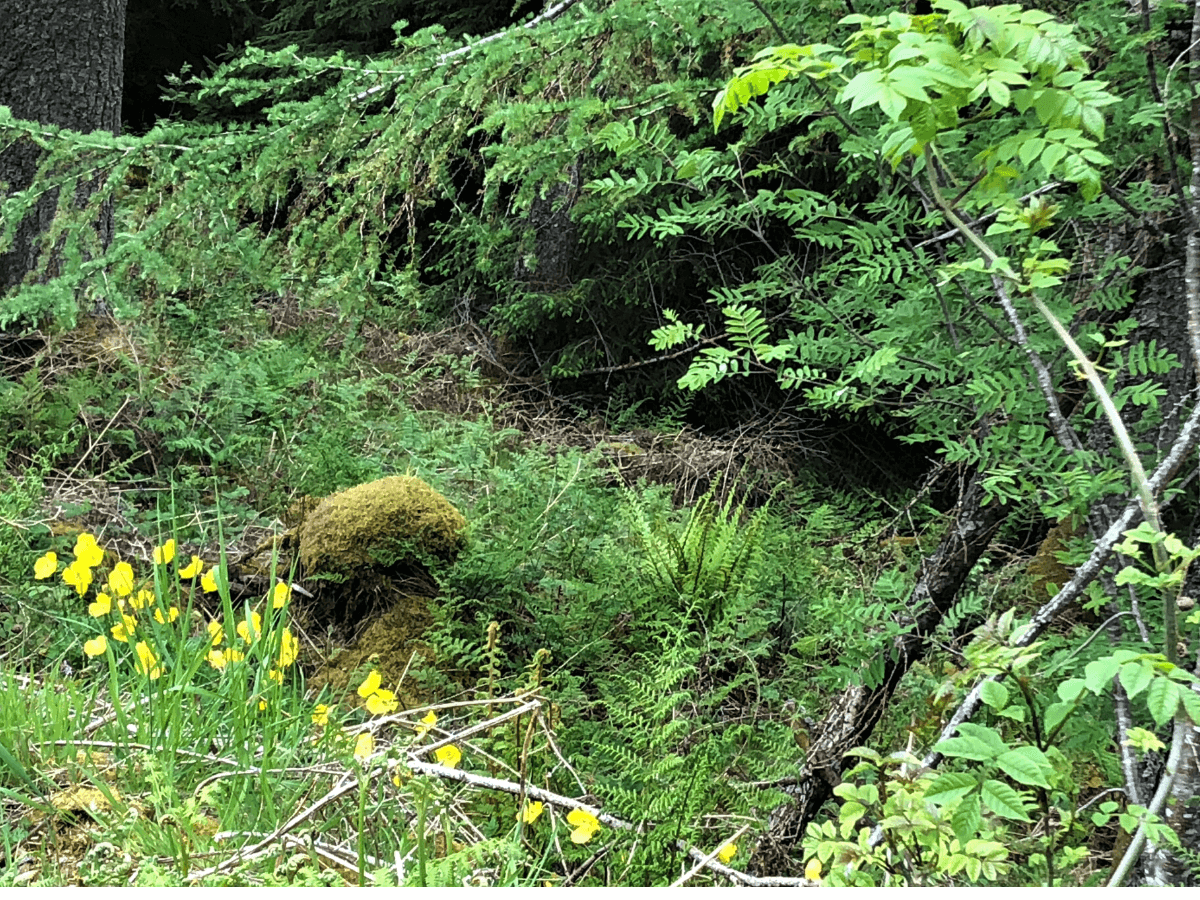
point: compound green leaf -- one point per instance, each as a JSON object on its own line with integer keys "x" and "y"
{"x": 1004, "y": 801}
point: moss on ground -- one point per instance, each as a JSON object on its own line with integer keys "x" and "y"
{"x": 361, "y": 548}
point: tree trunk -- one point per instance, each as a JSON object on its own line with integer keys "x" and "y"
{"x": 858, "y": 709}
{"x": 61, "y": 63}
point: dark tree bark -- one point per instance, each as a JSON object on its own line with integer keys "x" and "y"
{"x": 61, "y": 64}
{"x": 854, "y": 714}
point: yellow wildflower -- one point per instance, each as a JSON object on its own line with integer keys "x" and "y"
{"x": 45, "y": 566}
{"x": 280, "y": 595}
{"x": 216, "y": 631}
{"x": 370, "y": 685}
{"x": 727, "y": 852}
{"x": 192, "y": 569}
{"x": 172, "y": 615}
{"x": 165, "y": 553}
{"x": 813, "y": 870}
{"x": 102, "y": 606}
{"x": 87, "y": 551}
{"x": 147, "y": 662}
{"x": 208, "y": 581}
{"x": 532, "y": 810}
{"x": 586, "y": 825}
{"x": 125, "y": 629}
{"x": 78, "y": 576}
{"x": 249, "y": 629}
{"x": 95, "y": 646}
{"x": 142, "y": 600}
{"x": 216, "y": 659}
{"x": 381, "y": 703}
{"x": 120, "y": 579}
{"x": 276, "y": 676}
{"x": 427, "y": 722}
{"x": 320, "y": 715}
{"x": 289, "y": 649}
{"x": 233, "y": 654}
{"x": 364, "y": 746}
{"x": 262, "y": 705}
{"x": 449, "y": 756}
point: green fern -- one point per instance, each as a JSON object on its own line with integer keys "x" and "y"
{"x": 702, "y": 566}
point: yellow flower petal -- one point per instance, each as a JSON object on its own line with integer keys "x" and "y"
{"x": 78, "y": 576}
{"x": 381, "y": 703}
{"x": 120, "y": 579}
{"x": 102, "y": 606}
{"x": 726, "y": 853}
{"x": 171, "y": 616}
{"x": 208, "y": 582}
{"x": 192, "y": 569}
{"x": 449, "y": 756}
{"x": 280, "y": 595}
{"x": 45, "y": 566}
{"x": 216, "y": 632}
{"x": 147, "y": 662}
{"x": 216, "y": 659}
{"x": 371, "y": 685}
{"x": 586, "y": 825}
{"x": 320, "y": 715}
{"x": 121, "y": 632}
{"x": 289, "y": 649}
{"x": 532, "y": 810}
{"x": 427, "y": 722}
{"x": 249, "y": 629}
{"x": 165, "y": 553}
{"x": 364, "y": 746}
{"x": 813, "y": 870}
{"x": 96, "y": 646}
{"x": 87, "y": 551}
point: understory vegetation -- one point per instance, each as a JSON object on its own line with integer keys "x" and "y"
{"x": 791, "y": 394}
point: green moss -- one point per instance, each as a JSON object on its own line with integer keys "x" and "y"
{"x": 362, "y": 548}
{"x": 381, "y": 525}
{"x": 393, "y": 645}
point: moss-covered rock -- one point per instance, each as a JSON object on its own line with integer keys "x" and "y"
{"x": 359, "y": 545}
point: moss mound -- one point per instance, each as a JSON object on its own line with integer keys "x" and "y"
{"x": 390, "y": 644}
{"x": 382, "y": 533}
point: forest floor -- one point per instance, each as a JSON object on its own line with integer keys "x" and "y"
{"x": 608, "y": 687}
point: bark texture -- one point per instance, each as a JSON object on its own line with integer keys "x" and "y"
{"x": 858, "y": 709}
{"x": 61, "y": 64}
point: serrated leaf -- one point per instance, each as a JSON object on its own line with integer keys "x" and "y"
{"x": 1052, "y": 156}
{"x": 999, "y": 92}
{"x": 950, "y": 786}
{"x": 1071, "y": 689}
{"x": 967, "y": 819}
{"x": 1135, "y": 677}
{"x": 1027, "y": 765}
{"x": 1162, "y": 699}
{"x": 994, "y": 694}
{"x": 851, "y": 812}
{"x": 966, "y": 748}
{"x": 862, "y": 90}
{"x": 1003, "y": 800}
{"x": 1191, "y": 704}
{"x": 891, "y": 101}
{"x": 1054, "y": 715}
{"x": 1099, "y": 673}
